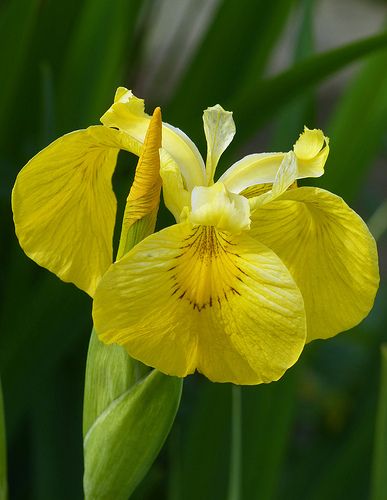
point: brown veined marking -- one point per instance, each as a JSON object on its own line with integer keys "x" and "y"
{"x": 206, "y": 271}
{"x": 258, "y": 189}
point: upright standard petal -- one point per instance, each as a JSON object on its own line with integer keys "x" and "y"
{"x": 127, "y": 114}
{"x": 219, "y": 128}
{"x": 64, "y": 206}
{"x": 260, "y": 168}
{"x": 285, "y": 178}
{"x": 192, "y": 297}
{"x": 310, "y": 152}
{"x": 330, "y": 253}
{"x": 176, "y": 196}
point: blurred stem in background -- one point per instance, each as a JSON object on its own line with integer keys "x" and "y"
{"x": 379, "y": 478}
{"x": 378, "y": 221}
{"x": 235, "y": 477}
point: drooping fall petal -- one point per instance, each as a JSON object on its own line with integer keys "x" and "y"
{"x": 64, "y": 206}
{"x": 190, "y": 298}
{"x": 330, "y": 253}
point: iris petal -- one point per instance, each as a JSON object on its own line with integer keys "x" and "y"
{"x": 191, "y": 298}
{"x": 219, "y": 128}
{"x": 253, "y": 169}
{"x": 311, "y": 151}
{"x": 127, "y": 114}
{"x": 329, "y": 251}
{"x": 176, "y": 197}
{"x": 64, "y": 206}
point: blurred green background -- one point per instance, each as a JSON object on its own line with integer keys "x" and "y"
{"x": 318, "y": 433}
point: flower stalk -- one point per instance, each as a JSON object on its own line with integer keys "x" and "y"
{"x": 235, "y": 477}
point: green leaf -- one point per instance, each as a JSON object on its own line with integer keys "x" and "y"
{"x": 267, "y": 97}
{"x": 17, "y": 21}
{"x": 56, "y": 450}
{"x": 126, "y": 437}
{"x": 273, "y": 21}
{"x": 94, "y": 65}
{"x": 47, "y": 120}
{"x": 338, "y": 402}
{"x": 31, "y": 321}
{"x": 334, "y": 480}
{"x": 235, "y": 49}
{"x": 200, "y": 463}
{"x": 3, "y": 451}
{"x": 109, "y": 373}
{"x": 292, "y": 118}
{"x": 379, "y": 480}
{"x": 267, "y": 419}
{"x": 353, "y": 148}
{"x": 377, "y": 223}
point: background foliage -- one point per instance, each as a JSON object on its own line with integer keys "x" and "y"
{"x": 312, "y": 434}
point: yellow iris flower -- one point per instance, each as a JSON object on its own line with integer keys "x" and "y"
{"x": 253, "y": 269}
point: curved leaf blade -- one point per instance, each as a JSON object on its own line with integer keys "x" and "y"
{"x": 267, "y": 97}
{"x": 125, "y": 439}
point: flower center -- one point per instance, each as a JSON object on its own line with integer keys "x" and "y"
{"x": 208, "y": 270}
{"x": 216, "y": 206}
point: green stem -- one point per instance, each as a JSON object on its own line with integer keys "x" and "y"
{"x": 379, "y": 481}
{"x": 377, "y": 223}
{"x": 234, "y": 488}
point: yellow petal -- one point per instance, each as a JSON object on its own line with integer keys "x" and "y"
{"x": 256, "y": 190}
{"x": 64, "y": 206}
{"x": 329, "y": 251}
{"x": 176, "y": 197}
{"x": 144, "y": 195}
{"x": 307, "y": 160}
{"x": 285, "y": 178}
{"x": 215, "y": 206}
{"x": 127, "y": 114}
{"x": 311, "y": 151}
{"x": 253, "y": 169}
{"x": 190, "y": 298}
{"x": 219, "y": 128}
{"x": 259, "y": 189}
